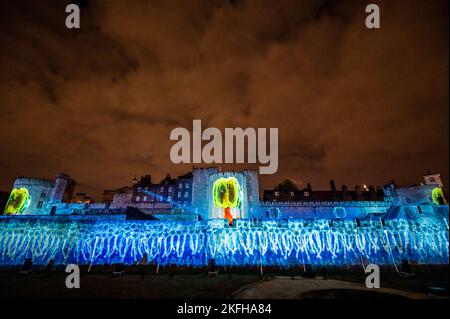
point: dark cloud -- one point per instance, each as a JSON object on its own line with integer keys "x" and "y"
{"x": 355, "y": 105}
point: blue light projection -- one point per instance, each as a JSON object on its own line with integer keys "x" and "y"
{"x": 248, "y": 242}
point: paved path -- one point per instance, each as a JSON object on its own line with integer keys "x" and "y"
{"x": 286, "y": 288}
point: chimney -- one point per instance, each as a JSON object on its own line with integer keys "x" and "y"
{"x": 333, "y": 189}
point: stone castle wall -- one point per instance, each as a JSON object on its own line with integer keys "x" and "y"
{"x": 325, "y": 210}
{"x": 39, "y": 190}
{"x": 200, "y": 196}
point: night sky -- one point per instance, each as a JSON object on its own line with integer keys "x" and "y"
{"x": 351, "y": 104}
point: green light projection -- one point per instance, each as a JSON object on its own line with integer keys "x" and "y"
{"x": 438, "y": 196}
{"x": 227, "y": 194}
{"x": 18, "y": 201}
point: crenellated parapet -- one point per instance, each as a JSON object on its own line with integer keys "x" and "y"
{"x": 37, "y": 182}
{"x": 323, "y": 210}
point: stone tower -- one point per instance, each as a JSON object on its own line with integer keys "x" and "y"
{"x": 63, "y": 190}
{"x": 202, "y": 201}
{"x": 200, "y": 196}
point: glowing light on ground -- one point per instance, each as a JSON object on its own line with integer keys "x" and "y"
{"x": 266, "y": 242}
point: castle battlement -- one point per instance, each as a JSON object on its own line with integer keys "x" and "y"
{"x": 34, "y": 182}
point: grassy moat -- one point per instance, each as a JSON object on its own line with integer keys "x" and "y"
{"x": 194, "y": 283}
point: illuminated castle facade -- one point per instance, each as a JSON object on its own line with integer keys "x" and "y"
{"x": 199, "y": 195}
{"x": 204, "y": 198}
{"x": 213, "y": 214}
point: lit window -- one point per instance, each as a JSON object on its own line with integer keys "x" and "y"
{"x": 145, "y": 198}
{"x": 180, "y": 185}
{"x": 306, "y": 194}
{"x": 170, "y": 189}
{"x": 137, "y": 198}
{"x": 169, "y": 198}
{"x": 277, "y": 194}
{"x": 179, "y": 195}
{"x": 292, "y": 194}
{"x": 186, "y": 194}
{"x": 187, "y": 185}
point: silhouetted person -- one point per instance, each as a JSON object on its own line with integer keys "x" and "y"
{"x": 143, "y": 266}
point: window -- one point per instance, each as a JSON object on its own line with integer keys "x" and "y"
{"x": 186, "y": 185}
{"x": 145, "y": 198}
{"x": 179, "y": 194}
{"x": 186, "y": 194}
{"x": 170, "y": 189}
{"x": 161, "y": 189}
{"x": 292, "y": 194}
{"x": 180, "y": 185}
{"x": 137, "y": 198}
{"x": 39, "y": 205}
{"x": 276, "y": 193}
{"x": 306, "y": 194}
{"x": 169, "y": 198}
{"x": 43, "y": 194}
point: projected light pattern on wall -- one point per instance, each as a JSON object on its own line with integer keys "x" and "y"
{"x": 266, "y": 242}
{"x": 227, "y": 194}
{"x": 18, "y": 201}
{"x": 438, "y": 196}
